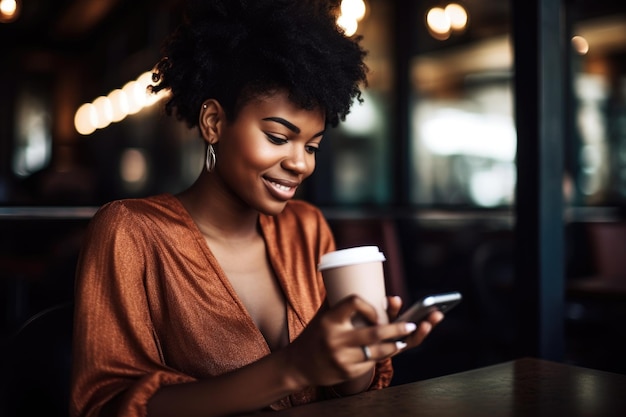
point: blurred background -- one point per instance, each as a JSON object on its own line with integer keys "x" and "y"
{"x": 426, "y": 167}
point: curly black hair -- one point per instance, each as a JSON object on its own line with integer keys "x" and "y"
{"x": 237, "y": 50}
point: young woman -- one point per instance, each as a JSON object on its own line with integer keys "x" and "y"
{"x": 208, "y": 302}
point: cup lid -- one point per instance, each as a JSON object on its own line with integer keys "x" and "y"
{"x": 350, "y": 256}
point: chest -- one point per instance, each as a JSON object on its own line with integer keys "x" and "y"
{"x": 250, "y": 274}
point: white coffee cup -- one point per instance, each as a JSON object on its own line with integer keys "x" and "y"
{"x": 356, "y": 271}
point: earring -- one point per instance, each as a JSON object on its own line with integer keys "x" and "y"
{"x": 210, "y": 158}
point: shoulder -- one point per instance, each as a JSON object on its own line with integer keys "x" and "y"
{"x": 136, "y": 215}
{"x": 132, "y": 209}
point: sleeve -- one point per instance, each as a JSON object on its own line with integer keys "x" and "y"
{"x": 382, "y": 375}
{"x": 115, "y": 351}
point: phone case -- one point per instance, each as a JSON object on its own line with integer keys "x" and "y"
{"x": 422, "y": 308}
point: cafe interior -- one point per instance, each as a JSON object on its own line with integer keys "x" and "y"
{"x": 488, "y": 157}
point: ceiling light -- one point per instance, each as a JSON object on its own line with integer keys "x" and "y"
{"x": 9, "y": 10}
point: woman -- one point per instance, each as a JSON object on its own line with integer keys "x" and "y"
{"x": 208, "y": 302}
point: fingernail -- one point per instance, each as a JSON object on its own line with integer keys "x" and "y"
{"x": 410, "y": 327}
{"x": 400, "y": 345}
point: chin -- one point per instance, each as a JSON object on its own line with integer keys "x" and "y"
{"x": 273, "y": 209}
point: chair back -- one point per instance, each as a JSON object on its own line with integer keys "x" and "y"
{"x": 39, "y": 364}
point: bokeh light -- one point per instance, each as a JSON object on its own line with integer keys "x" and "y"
{"x": 580, "y": 45}
{"x": 443, "y": 21}
{"x": 457, "y": 15}
{"x": 9, "y": 10}
{"x": 117, "y": 105}
{"x": 351, "y": 12}
{"x": 354, "y": 9}
{"x": 438, "y": 21}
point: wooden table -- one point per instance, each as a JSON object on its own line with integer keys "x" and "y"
{"x": 524, "y": 387}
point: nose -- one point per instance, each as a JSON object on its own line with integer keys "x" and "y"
{"x": 297, "y": 160}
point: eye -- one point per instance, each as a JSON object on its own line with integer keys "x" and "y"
{"x": 276, "y": 140}
{"x": 312, "y": 149}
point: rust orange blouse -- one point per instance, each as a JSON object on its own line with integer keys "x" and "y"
{"x": 153, "y": 306}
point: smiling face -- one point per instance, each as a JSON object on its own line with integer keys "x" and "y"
{"x": 267, "y": 151}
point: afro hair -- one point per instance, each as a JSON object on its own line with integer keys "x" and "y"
{"x": 237, "y": 50}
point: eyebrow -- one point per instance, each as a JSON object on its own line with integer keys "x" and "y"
{"x": 289, "y": 125}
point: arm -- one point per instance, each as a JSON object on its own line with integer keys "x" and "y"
{"x": 327, "y": 353}
{"x": 244, "y": 390}
{"x": 116, "y": 360}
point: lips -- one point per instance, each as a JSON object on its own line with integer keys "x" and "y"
{"x": 281, "y": 189}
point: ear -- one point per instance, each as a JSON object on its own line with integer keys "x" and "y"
{"x": 211, "y": 120}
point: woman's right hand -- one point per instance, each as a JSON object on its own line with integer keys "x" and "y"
{"x": 330, "y": 350}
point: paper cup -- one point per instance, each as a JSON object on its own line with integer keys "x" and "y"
{"x": 356, "y": 271}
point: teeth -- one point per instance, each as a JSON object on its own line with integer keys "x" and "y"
{"x": 280, "y": 186}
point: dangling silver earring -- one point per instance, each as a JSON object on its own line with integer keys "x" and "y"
{"x": 210, "y": 158}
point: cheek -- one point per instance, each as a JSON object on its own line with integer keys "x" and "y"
{"x": 311, "y": 164}
{"x": 260, "y": 155}
{"x": 243, "y": 150}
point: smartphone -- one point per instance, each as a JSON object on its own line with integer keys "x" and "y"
{"x": 421, "y": 309}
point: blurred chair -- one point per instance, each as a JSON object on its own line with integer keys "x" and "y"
{"x": 493, "y": 275}
{"x": 596, "y": 304}
{"x": 379, "y": 232}
{"x": 608, "y": 243}
{"x": 607, "y": 250}
{"x": 39, "y": 361}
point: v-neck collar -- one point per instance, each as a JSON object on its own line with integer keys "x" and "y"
{"x": 268, "y": 233}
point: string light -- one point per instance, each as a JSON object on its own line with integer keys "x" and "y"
{"x": 117, "y": 105}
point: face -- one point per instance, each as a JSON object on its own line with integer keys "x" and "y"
{"x": 267, "y": 151}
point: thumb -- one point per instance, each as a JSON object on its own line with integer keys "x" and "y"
{"x": 352, "y": 306}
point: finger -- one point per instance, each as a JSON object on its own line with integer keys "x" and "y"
{"x": 351, "y": 306}
{"x": 394, "y": 305}
{"x": 435, "y": 317}
{"x": 383, "y": 333}
{"x": 423, "y": 330}
{"x": 378, "y": 352}
{"x": 432, "y": 319}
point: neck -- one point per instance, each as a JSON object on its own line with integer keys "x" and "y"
{"x": 217, "y": 213}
